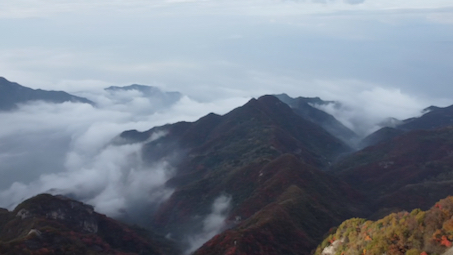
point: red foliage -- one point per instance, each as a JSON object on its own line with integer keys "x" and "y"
{"x": 231, "y": 251}
{"x": 445, "y": 242}
{"x": 332, "y": 240}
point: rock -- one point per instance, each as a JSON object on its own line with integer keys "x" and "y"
{"x": 23, "y": 214}
{"x": 331, "y": 249}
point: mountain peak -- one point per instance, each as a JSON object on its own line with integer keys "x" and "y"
{"x": 13, "y": 94}
{"x": 145, "y": 89}
{"x": 47, "y": 224}
{"x": 133, "y": 87}
{"x": 304, "y": 107}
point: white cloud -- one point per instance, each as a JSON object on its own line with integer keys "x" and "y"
{"x": 77, "y": 157}
{"x": 212, "y": 223}
{"x": 363, "y": 110}
{"x": 32, "y": 8}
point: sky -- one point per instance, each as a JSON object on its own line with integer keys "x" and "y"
{"x": 213, "y": 48}
{"x": 379, "y": 58}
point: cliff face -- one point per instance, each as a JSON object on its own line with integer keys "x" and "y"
{"x": 48, "y": 224}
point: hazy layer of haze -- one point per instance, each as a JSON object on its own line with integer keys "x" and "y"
{"x": 212, "y": 224}
{"x": 66, "y": 149}
{"x": 380, "y": 58}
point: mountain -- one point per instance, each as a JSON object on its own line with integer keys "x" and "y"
{"x": 433, "y": 118}
{"x": 157, "y": 96}
{"x": 12, "y": 94}
{"x": 414, "y": 233}
{"x": 288, "y": 212}
{"x": 293, "y": 102}
{"x": 266, "y": 160}
{"x": 266, "y": 178}
{"x": 304, "y": 107}
{"x": 47, "y": 224}
{"x": 381, "y": 135}
{"x": 413, "y": 170}
{"x": 252, "y": 127}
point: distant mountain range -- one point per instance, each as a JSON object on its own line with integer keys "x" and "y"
{"x": 147, "y": 91}
{"x": 13, "y": 94}
{"x": 306, "y": 108}
{"x": 286, "y": 173}
{"x": 433, "y": 118}
{"x": 156, "y": 96}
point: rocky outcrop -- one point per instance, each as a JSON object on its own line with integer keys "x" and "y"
{"x": 47, "y": 224}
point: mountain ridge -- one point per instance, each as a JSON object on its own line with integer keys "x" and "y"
{"x": 12, "y": 94}
{"x": 305, "y": 107}
{"x": 433, "y": 118}
{"x": 269, "y": 172}
{"x": 47, "y": 224}
{"x": 227, "y": 154}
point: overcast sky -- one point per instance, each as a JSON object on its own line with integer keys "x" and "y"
{"x": 216, "y": 48}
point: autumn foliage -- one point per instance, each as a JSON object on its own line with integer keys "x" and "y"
{"x": 417, "y": 232}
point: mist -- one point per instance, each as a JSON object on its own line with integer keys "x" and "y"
{"x": 370, "y": 109}
{"x": 212, "y": 224}
{"x": 67, "y": 149}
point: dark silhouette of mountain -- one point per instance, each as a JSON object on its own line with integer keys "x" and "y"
{"x": 12, "y": 94}
{"x": 48, "y": 224}
{"x": 303, "y": 106}
{"x": 383, "y": 134}
{"x": 413, "y": 170}
{"x": 434, "y": 117}
{"x": 264, "y": 121}
{"x": 417, "y": 232}
{"x": 261, "y": 154}
{"x": 157, "y": 96}
{"x": 293, "y": 102}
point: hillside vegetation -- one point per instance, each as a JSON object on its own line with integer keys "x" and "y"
{"x": 418, "y": 232}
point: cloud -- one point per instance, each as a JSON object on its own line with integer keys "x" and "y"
{"x": 212, "y": 223}
{"x": 364, "y": 110}
{"x": 66, "y": 149}
{"x": 116, "y": 182}
{"x": 195, "y": 54}
{"x": 354, "y": 1}
{"x": 32, "y": 8}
